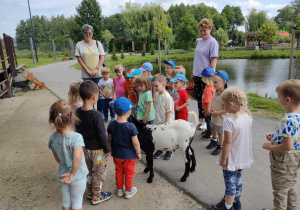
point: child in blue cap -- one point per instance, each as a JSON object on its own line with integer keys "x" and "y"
{"x": 124, "y": 146}
{"x": 218, "y": 113}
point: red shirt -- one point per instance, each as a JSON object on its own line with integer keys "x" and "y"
{"x": 182, "y": 96}
{"x": 207, "y": 96}
{"x": 129, "y": 87}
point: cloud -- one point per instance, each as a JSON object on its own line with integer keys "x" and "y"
{"x": 275, "y": 6}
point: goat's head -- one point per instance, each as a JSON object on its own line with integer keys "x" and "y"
{"x": 137, "y": 124}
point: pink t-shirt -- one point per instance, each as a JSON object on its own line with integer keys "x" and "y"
{"x": 119, "y": 86}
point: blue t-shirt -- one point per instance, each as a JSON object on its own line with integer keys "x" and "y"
{"x": 121, "y": 141}
{"x": 64, "y": 148}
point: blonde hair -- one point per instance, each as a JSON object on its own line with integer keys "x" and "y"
{"x": 238, "y": 97}
{"x": 143, "y": 79}
{"x": 206, "y": 23}
{"x": 61, "y": 116}
{"x": 160, "y": 78}
{"x": 207, "y": 80}
{"x": 73, "y": 94}
{"x": 178, "y": 69}
{"x": 290, "y": 88}
{"x": 105, "y": 70}
{"x": 119, "y": 67}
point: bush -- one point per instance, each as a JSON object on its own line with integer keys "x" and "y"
{"x": 143, "y": 52}
{"x": 122, "y": 52}
{"x": 114, "y": 56}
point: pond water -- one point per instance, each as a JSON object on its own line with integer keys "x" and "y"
{"x": 259, "y": 76}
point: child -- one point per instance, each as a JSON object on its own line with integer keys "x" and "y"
{"x": 218, "y": 112}
{"x": 207, "y": 99}
{"x": 125, "y": 147}
{"x": 284, "y": 146}
{"x": 119, "y": 81}
{"x": 236, "y": 153}
{"x": 164, "y": 108}
{"x": 182, "y": 101}
{"x": 169, "y": 68}
{"x": 66, "y": 146}
{"x": 74, "y": 98}
{"x": 145, "y": 112}
{"x": 146, "y": 69}
{"x": 130, "y": 92}
{"x": 96, "y": 149}
{"x": 105, "y": 87}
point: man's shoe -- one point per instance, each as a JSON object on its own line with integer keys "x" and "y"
{"x": 213, "y": 144}
{"x": 157, "y": 154}
{"x": 104, "y": 196}
{"x": 217, "y": 150}
{"x": 168, "y": 155}
{"x": 130, "y": 193}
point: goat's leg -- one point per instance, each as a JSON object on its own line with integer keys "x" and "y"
{"x": 146, "y": 170}
{"x": 193, "y": 160}
{"x": 149, "y": 158}
{"x": 187, "y": 165}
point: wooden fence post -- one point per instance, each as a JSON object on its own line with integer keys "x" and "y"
{"x": 31, "y": 48}
{"x": 54, "y": 50}
{"x": 292, "y": 51}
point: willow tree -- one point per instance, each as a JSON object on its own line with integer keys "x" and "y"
{"x": 147, "y": 23}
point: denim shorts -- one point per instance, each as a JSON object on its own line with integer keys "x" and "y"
{"x": 233, "y": 183}
{"x": 219, "y": 129}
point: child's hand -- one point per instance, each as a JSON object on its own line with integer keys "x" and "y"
{"x": 107, "y": 154}
{"x": 68, "y": 177}
{"x": 177, "y": 109}
{"x": 138, "y": 156}
{"x": 145, "y": 119}
{"x": 206, "y": 112}
{"x": 214, "y": 113}
{"x": 266, "y": 145}
{"x": 223, "y": 163}
{"x": 113, "y": 98}
{"x": 268, "y": 136}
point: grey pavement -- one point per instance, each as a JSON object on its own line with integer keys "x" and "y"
{"x": 206, "y": 184}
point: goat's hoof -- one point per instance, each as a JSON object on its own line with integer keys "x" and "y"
{"x": 146, "y": 170}
{"x": 192, "y": 170}
{"x": 149, "y": 180}
{"x": 183, "y": 179}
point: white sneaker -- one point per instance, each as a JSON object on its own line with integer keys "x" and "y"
{"x": 120, "y": 192}
{"x": 203, "y": 126}
{"x": 129, "y": 194}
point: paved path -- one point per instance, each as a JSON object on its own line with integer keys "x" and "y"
{"x": 206, "y": 183}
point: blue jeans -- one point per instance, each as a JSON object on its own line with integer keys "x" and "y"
{"x": 96, "y": 80}
{"x": 106, "y": 107}
{"x": 233, "y": 183}
{"x": 208, "y": 124}
{"x": 148, "y": 123}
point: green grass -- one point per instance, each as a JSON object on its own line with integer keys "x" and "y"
{"x": 42, "y": 61}
{"x": 264, "y": 106}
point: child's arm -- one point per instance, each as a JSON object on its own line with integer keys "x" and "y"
{"x": 148, "y": 106}
{"x": 77, "y": 158}
{"x": 226, "y": 148}
{"x": 55, "y": 156}
{"x": 126, "y": 93}
{"x": 109, "y": 140}
{"x": 137, "y": 147}
{"x": 207, "y": 110}
{"x": 101, "y": 91}
{"x": 186, "y": 103}
{"x": 286, "y": 145}
{"x": 215, "y": 113}
{"x": 168, "y": 116}
{"x": 113, "y": 92}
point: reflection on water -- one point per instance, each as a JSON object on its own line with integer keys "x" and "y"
{"x": 257, "y": 76}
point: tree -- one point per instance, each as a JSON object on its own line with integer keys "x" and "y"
{"x": 187, "y": 31}
{"x": 228, "y": 12}
{"x": 296, "y": 6}
{"x": 266, "y": 33}
{"x": 219, "y": 22}
{"x": 255, "y": 20}
{"x": 175, "y": 13}
{"x": 107, "y": 36}
{"x": 284, "y": 15}
{"x": 221, "y": 36}
{"x": 200, "y": 11}
{"x": 239, "y": 17}
{"x": 89, "y": 12}
{"x": 115, "y": 25}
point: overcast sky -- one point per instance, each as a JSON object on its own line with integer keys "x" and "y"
{"x": 12, "y": 11}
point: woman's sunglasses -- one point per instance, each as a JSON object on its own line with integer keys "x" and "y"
{"x": 88, "y": 33}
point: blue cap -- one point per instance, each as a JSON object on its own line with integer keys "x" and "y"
{"x": 179, "y": 77}
{"x": 134, "y": 72}
{"x": 222, "y": 74}
{"x": 169, "y": 62}
{"x": 122, "y": 105}
{"x": 207, "y": 72}
{"x": 146, "y": 67}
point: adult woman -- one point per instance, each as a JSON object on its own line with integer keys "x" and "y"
{"x": 206, "y": 55}
{"x": 90, "y": 56}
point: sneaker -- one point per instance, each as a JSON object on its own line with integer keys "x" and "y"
{"x": 168, "y": 155}
{"x": 237, "y": 205}
{"x": 221, "y": 206}
{"x": 203, "y": 126}
{"x": 206, "y": 136}
{"x": 213, "y": 144}
{"x": 217, "y": 150}
{"x": 89, "y": 195}
{"x": 157, "y": 154}
{"x": 120, "y": 192}
{"x": 105, "y": 120}
{"x": 130, "y": 193}
{"x": 104, "y": 196}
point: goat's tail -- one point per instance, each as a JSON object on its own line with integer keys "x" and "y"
{"x": 195, "y": 118}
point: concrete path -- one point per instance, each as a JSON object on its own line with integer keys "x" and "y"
{"x": 206, "y": 184}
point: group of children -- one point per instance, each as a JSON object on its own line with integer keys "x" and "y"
{"x": 82, "y": 155}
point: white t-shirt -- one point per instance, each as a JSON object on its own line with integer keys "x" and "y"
{"x": 106, "y": 86}
{"x": 163, "y": 104}
{"x": 240, "y": 155}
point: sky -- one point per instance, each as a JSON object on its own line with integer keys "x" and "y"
{"x": 13, "y": 11}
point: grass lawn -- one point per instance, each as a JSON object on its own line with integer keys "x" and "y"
{"x": 42, "y": 61}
